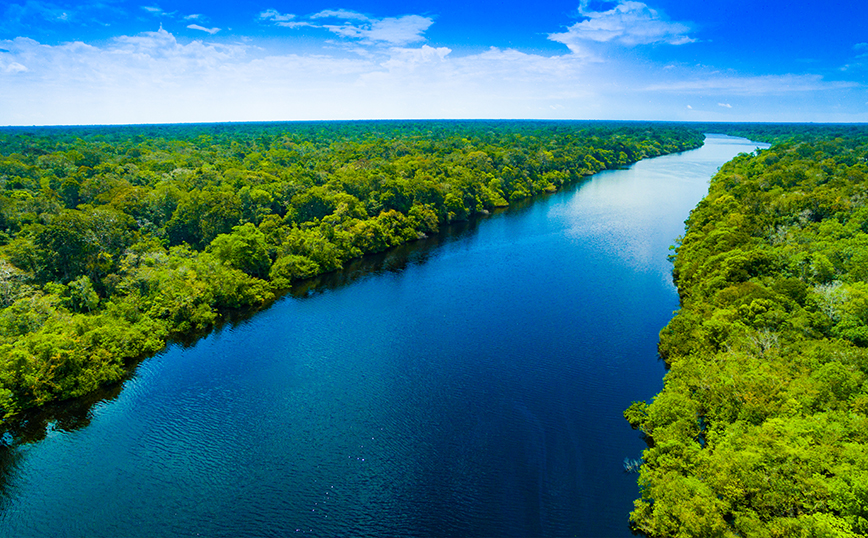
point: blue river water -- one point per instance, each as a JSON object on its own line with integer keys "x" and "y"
{"x": 471, "y": 384}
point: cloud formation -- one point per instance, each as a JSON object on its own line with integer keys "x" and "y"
{"x": 211, "y": 31}
{"x": 384, "y": 70}
{"x": 13, "y": 67}
{"x": 275, "y": 16}
{"x": 391, "y": 30}
{"x": 716, "y": 84}
{"x": 158, "y": 11}
{"x": 628, "y": 23}
{"x": 340, "y": 14}
{"x": 285, "y": 20}
{"x": 395, "y": 31}
{"x": 154, "y": 77}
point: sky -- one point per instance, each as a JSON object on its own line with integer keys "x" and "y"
{"x": 121, "y": 62}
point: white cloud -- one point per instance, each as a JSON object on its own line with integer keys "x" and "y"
{"x": 155, "y": 10}
{"x": 628, "y": 23}
{"x": 299, "y": 24}
{"x": 747, "y": 85}
{"x": 396, "y": 31}
{"x": 211, "y": 31}
{"x": 15, "y": 67}
{"x": 285, "y": 20}
{"x": 410, "y": 59}
{"x": 194, "y": 17}
{"x": 340, "y": 14}
{"x": 724, "y": 105}
{"x": 391, "y": 30}
{"x": 276, "y": 16}
{"x": 155, "y": 77}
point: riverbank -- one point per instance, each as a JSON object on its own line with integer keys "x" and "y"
{"x": 119, "y": 239}
{"x": 760, "y": 429}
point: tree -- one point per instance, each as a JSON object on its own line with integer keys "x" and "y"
{"x": 245, "y": 249}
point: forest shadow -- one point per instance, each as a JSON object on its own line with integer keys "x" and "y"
{"x": 34, "y": 425}
{"x": 69, "y": 415}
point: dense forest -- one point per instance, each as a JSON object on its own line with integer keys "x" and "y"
{"x": 114, "y": 240}
{"x": 761, "y": 429}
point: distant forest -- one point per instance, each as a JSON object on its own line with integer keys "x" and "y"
{"x": 761, "y": 429}
{"x": 114, "y": 240}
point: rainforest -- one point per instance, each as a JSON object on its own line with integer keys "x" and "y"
{"x": 116, "y": 241}
{"x": 762, "y": 427}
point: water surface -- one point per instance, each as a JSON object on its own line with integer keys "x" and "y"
{"x": 471, "y": 385}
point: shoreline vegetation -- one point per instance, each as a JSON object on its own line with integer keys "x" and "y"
{"x": 761, "y": 428}
{"x": 117, "y": 240}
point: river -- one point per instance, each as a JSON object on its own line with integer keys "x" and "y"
{"x": 471, "y": 384}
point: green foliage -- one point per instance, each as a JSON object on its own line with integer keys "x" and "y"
{"x": 243, "y": 249}
{"x": 114, "y": 239}
{"x": 83, "y": 298}
{"x": 762, "y": 425}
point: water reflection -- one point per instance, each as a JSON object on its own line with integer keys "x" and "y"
{"x": 32, "y": 426}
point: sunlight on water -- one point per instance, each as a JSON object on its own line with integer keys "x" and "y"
{"x": 629, "y": 213}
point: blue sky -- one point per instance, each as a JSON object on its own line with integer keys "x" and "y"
{"x": 115, "y": 61}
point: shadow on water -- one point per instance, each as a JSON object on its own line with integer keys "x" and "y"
{"x": 34, "y": 425}
{"x": 393, "y": 260}
{"x": 399, "y": 258}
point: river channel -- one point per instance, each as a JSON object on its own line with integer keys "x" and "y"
{"x": 472, "y": 384}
